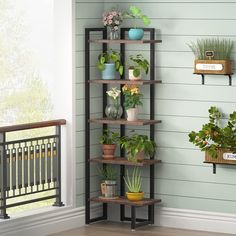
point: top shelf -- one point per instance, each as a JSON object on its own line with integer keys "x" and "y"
{"x": 124, "y": 41}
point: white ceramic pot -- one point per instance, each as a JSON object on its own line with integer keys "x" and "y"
{"x": 132, "y": 77}
{"x": 132, "y": 114}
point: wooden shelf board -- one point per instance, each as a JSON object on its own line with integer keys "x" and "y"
{"x": 139, "y": 122}
{"x": 124, "y": 81}
{"x": 220, "y": 163}
{"x": 124, "y": 41}
{"x": 125, "y": 201}
{"x": 124, "y": 161}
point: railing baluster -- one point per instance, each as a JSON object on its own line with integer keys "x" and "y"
{"x": 31, "y": 165}
{"x": 13, "y": 168}
{"x": 7, "y": 151}
{"x": 43, "y": 163}
{"x": 55, "y": 159}
{"x": 19, "y": 157}
{"x": 26, "y": 167}
{"x": 37, "y": 159}
{"x": 49, "y": 163}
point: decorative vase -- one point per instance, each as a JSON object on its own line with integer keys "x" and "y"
{"x": 109, "y": 71}
{"x": 109, "y": 189}
{"x": 114, "y": 34}
{"x": 131, "y": 75}
{"x": 114, "y": 111}
{"x": 132, "y": 114}
{"x": 108, "y": 151}
{"x": 135, "y": 196}
{"x": 136, "y": 34}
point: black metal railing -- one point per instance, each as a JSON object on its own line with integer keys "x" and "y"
{"x": 30, "y": 165}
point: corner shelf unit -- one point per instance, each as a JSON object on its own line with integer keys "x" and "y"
{"x": 121, "y": 161}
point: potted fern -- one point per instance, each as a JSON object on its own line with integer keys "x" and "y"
{"x": 134, "y": 184}
{"x": 212, "y": 56}
{"x": 218, "y": 141}
{"x": 135, "y": 14}
{"x": 137, "y": 65}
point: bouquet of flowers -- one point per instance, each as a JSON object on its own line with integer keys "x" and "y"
{"x": 114, "y": 93}
{"x": 132, "y": 96}
{"x": 112, "y": 19}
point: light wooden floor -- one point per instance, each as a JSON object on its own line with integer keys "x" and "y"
{"x": 119, "y": 229}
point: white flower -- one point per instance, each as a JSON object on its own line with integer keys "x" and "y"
{"x": 117, "y": 22}
{"x": 114, "y": 93}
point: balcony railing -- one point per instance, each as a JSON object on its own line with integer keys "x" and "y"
{"x": 30, "y": 165}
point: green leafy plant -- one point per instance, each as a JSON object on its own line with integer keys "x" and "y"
{"x": 213, "y": 136}
{"x": 108, "y": 173}
{"x": 132, "y": 96}
{"x": 110, "y": 56}
{"x": 138, "y": 64}
{"x": 134, "y": 182}
{"x": 135, "y": 13}
{"x": 222, "y": 48}
{"x": 109, "y": 137}
{"x": 136, "y": 143}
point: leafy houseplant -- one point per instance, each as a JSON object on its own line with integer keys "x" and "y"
{"x": 213, "y": 137}
{"x": 134, "y": 183}
{"x": 132, "y": 100}
{"x": 137, "y": 65}
{"x": 108, "y": 185}
{"x": 135, "y": 13}
{"x": 108, "y": 63}
{"x": 108, "y": 141}
{"x": 212, "y": 56}
{"x": 138, "y": 146}
{"x": 114, "y": 110}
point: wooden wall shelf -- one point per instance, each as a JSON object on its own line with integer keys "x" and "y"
{"x": 124, "y": 41}
{"x": 124, "y": 81}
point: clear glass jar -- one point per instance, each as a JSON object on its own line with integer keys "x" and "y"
{"x": 114, "y": 34}
{"x": 114, "y": 111}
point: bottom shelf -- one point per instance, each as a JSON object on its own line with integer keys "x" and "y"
{"x": 125, "y": 201}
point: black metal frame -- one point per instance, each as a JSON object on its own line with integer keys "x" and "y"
{"x": 135, "y": 222}
{"x": 203, "y": 77}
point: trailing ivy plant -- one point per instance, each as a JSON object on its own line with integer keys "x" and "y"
{"x": 213, "y": 136}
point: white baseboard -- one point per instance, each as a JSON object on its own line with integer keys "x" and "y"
{"x": 186, "y": 219}
{"x": 43, "y": 223}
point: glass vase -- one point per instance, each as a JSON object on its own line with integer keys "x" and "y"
{"x": 114, "y": 111}
{"x": 114, "y": 34}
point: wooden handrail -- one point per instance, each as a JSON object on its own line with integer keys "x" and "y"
{"x": 34, "y": 125}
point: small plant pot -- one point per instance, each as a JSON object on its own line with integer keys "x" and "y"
{"x": 131, "y": 75}
{"x": 136, "y": 34}
{"x": 108, "y": 151}
{"x": 109, "y": 71}
{"x": 218, "y": 67}
{"x": 132, "y": 114}
{"x": 109, "y": 189}
{"x": 140, "y": 156}
{"x": 135, "y": 196}
{"x": 225, "y": 156}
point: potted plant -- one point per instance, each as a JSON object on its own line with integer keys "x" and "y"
{"x": 138, "y": 146}
{"x": 108, "y": 63}
{"x": 108, "y": 185}
{"x": 132, "y": 100}
{"x": 212, "y": 56}
{"x": 135, "y": 13}
{"x": 218, "y": 142}
{"x": 113, "y": 19}
{"x": 114, "y": 110}
{"x": 134, "y": 183}
{"x": 137, "y": 65}
{"x": 108, "y": 141}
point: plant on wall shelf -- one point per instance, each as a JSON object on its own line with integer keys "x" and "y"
{"x": 213, "y": 136}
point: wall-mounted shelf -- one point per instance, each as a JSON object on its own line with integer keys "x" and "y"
{"x": 124, "y": 41}
{"x": 203, "y": 77}
{"x": 124, "y": 81}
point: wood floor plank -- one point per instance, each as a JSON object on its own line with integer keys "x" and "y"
{"x": 123, "y": 229}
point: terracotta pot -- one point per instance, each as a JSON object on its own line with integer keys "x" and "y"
{"x": 140, "y": 156}
{"x": 108, "y": 151}
{"x": 135, "y": 196}
{"x": 132, "y": 114}
{"x": 132, "y": 77}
